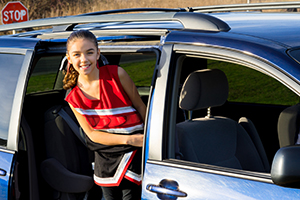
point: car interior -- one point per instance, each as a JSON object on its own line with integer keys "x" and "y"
{"x": 265, "y": 122}
{"x": 62, "y": 162}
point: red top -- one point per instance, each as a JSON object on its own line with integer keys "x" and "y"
{"x": 113, "y": 112}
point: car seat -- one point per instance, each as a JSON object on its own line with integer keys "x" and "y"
{"x": 213, "y": 140}
{"x": 68, "y": 168}
{"x": 248, "y": 125}
{"x": 288, "y": 125}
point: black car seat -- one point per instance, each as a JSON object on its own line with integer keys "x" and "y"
{"x": 213, "y": 140}
{"x": 288, "y": 125}
{"x": 249, "y": 126}
{"x": 68, "y": 168}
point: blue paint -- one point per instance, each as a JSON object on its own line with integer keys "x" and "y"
{"x": 6, "y": 160}
{"x": 201, "y": 185}
{"x": 148, "y": 129}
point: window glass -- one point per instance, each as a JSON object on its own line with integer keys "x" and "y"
{"x": 44, "y": 74}
{"x": 250, "y": 86}
{"x": 9, "y": 78}
{"x": 140, "y": 68}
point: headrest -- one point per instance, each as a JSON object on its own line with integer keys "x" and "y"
{"x": 203, "y": 89}
{"x": 288, "y": 125}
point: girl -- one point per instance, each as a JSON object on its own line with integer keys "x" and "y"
{"x": 109, "y": 109}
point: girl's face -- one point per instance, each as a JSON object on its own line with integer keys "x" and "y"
{"x": 83, "y": 55}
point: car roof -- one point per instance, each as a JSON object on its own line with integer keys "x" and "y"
{"x": 269, "y": 26}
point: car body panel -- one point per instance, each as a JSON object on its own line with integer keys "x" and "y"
{"x": 264, "y": 25}
{"x": 203, "y": 185}
{"x": 6, "y": 164}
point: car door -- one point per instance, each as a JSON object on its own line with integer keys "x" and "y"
{"x": 167, "y": 175}
{"x": 15, "y": 58}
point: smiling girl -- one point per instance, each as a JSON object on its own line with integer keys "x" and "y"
{"x": 109, "y": 109}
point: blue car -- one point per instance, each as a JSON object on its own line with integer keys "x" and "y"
{"x": 221, "y": 85}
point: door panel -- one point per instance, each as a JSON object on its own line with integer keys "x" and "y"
{"x": 6, "y": 159}
{"x": 202, "y": 185}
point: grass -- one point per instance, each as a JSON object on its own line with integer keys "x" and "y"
{"x": 40, "y": 83}
{"x": 141, "y": 73}
{"x": 247, "y": 85}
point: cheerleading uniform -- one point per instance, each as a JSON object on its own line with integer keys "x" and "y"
{"x": 112, "y": 113}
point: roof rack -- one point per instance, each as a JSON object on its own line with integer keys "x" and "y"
{"x": 246, "y": 7}
{"x": 196, "y": 21}
{"x": 135, "y": 10}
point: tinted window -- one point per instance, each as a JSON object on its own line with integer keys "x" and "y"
{"x": 250, "y": 86}
{"x": 44, "y": 74}
{"x": 139, "y": 67}
{"x": 11, "y": 65}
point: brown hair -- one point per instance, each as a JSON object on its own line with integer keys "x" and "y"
{"x": 71, "y": 76}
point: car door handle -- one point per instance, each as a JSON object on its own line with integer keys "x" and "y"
{"x": 159, "y": 189}
{"x": 166, "y": 188}
{"x": 2, "y": 172}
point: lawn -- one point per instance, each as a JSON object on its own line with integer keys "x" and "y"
{"x": 248, "y": 85}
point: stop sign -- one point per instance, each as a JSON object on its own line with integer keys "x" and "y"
{"x": 13, "y": 12}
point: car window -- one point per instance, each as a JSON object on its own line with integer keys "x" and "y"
{"x": 44, "y": 74}
{"x": 140, "y": 67}
{"x": 9, "y": 76}
{"x": 254, "y": 99}
{"x": 250, "y": 86}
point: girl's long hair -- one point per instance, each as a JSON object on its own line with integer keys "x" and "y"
{"x": 71, "y": 75}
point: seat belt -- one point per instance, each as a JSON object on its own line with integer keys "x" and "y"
{"x": 75, "y": 128}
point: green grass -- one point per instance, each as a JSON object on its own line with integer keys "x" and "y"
{"x": 140, "y": 72}
{"x": 247, "y": 85}
{"x": 40, "y": 83}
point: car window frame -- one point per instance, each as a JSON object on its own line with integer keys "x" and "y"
{"x": 15, "y": 118}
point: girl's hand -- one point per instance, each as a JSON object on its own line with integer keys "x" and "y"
{"x": 136, "y": 140}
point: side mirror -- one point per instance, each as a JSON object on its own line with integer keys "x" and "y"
{"x": 285, "y": 169}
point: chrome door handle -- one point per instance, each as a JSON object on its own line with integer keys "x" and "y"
{"x": 158, "y": 189}
{"x": 166, "y": 189}
{"x": 2, "y": 172}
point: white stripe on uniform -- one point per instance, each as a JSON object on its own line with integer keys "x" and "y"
{"x": 103, "y": 112}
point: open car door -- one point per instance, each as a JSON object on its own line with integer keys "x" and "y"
{"x": 15, "y": 61}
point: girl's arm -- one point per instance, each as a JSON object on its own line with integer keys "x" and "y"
{"x": 107, "y": 138}
{"x": 132, "y": 92}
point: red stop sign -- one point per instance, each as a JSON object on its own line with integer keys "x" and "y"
{"x": 13, "y": 12}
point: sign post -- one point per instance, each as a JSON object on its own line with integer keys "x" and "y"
{"x": 13, "y": 12}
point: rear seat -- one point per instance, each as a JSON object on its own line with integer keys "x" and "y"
{"x": 68, "y": 168}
